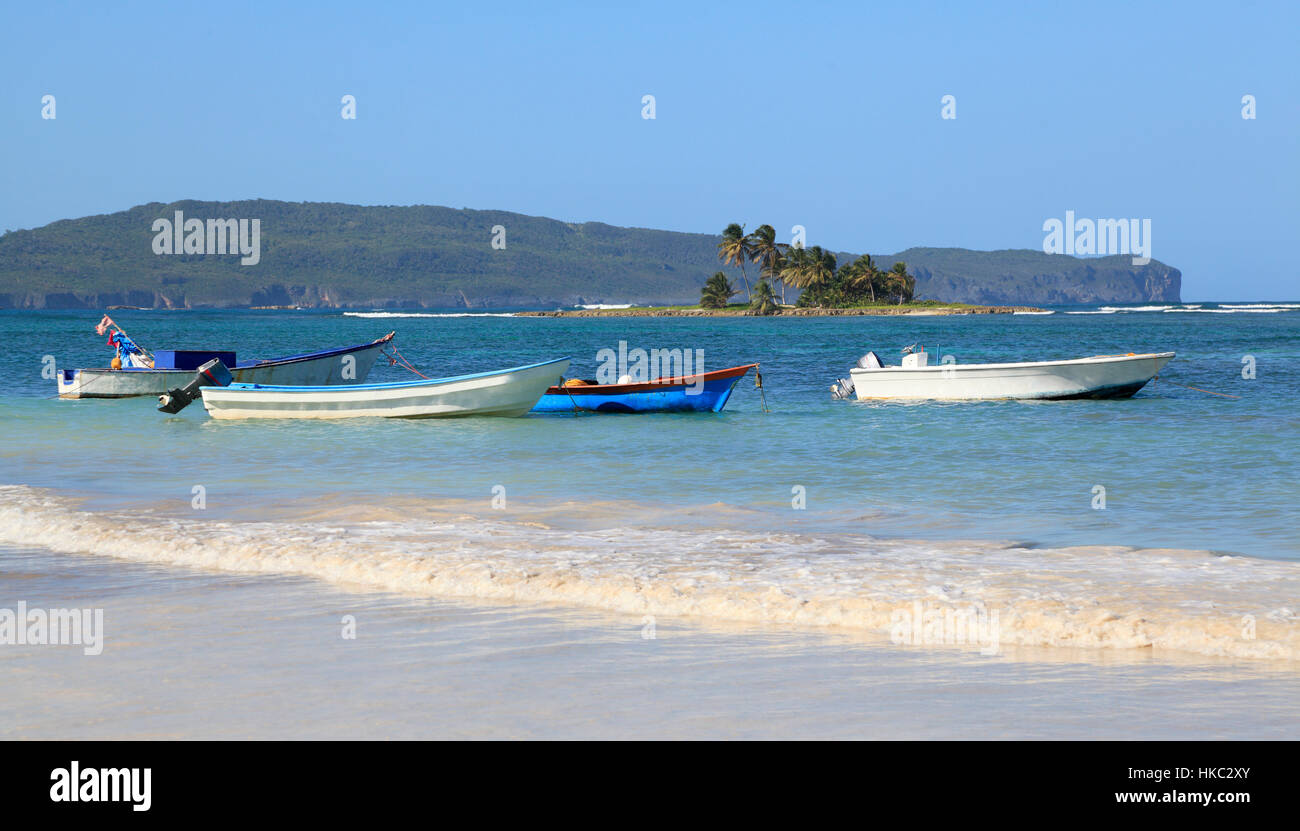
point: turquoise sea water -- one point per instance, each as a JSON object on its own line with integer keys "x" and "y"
{"x": 817, "y": 513}
{"x": 1181, "y": 468}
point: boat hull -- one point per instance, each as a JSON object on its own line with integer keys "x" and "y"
{"x": 315, "y": 369}
{"x": 507, "y": 392}
{"x": 1104, "y": 376}
{"x": 703, "y": 393}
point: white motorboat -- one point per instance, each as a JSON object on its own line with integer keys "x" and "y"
{"x": 1101, "y": 376}
{"x": 506, "y": 392}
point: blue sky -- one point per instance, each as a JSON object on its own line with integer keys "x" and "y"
{"x": 825, "y": 115}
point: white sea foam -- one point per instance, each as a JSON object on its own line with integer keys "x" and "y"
{"x": 1230, "y": 311}
{"x": 428, "y": 314}
{"x": 606, "y": 306}
{"x": 1224, "y": 309}
{"x": 1135, "y": 308}
{"x": 1260, "y": 305}
{"x": 1095, "y": 597}
{"x": 1048, "y": 312}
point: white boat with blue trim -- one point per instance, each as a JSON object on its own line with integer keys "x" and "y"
{"x": 505, "y": 392}
{"x": 1100, "y": 376}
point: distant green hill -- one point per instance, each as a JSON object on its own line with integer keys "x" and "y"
{"x": 335, "y": 255}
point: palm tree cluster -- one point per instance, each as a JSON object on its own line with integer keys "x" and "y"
{"x": 855, "y": 284}
{"x": 759, "y": 248}
{"x": 814, "y": 271}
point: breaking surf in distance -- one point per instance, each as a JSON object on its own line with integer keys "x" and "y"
{"x": 428, "y": 314}
{"x": 1217, "y": 308}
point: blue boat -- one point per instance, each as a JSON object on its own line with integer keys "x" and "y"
{"x": 707, "y": 392}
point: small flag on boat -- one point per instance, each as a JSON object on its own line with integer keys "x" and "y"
{"x": 121, "y": 342}
{"x": 104, "y": 324}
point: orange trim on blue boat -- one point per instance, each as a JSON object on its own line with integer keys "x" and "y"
{"x": 652, "y": 386}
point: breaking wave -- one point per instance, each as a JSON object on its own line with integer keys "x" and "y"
{"x": 428, "y": 314}
{"x": 1219, "y": 308}
{"x": 1260, "y": 305}
{"x": 1228, "y": 310}
{"x": 1094, "y": 597}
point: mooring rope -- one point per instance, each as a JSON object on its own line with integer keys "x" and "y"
{"x": 1198, "y": 389}
{"x": 576, "y": 408}
{"x": 758, "y": 382}
{"x": 396, "y": 358}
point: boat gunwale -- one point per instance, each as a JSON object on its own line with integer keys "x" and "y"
{"x": 388, "y": 385}
{"x": 310, "y": 356}
{"x": 659, "y": 385}
{"x": 270, "y": 362}
{"x": 941, "y": 367}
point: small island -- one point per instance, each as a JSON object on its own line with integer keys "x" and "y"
{"x": 826, "y": 287}
{"x": 921, "y": 308}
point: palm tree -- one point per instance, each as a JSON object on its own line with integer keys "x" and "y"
{"x": 735, "y": 249}
{"x": 902, "y": 283}
{"x": 862, "y": 274}
{"x": 794, "y": 266}
{"x": 812, "y": 270}
{"x": 764, "y": 249}
{"x": 763, "y": 302}
{"x": 776, "y": 267}
{"x": 717, "y": 291}
{"x": 821, "y": 267}
{"x": 846, "y": 274}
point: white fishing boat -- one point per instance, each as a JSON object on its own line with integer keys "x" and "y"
{"x": 1101, "y": 376}
{"x": 506, "y": 392}
{"x": 163, "y": 370}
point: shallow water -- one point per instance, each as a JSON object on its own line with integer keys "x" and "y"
{"x": 193, "y": 654}
{"x": 1181, "y": 468}
{"x": 697, "y": 519}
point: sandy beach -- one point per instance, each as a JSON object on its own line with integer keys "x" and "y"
{"x": 191, "y": 654}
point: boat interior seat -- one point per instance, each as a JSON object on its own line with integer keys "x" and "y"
{"x": 870, "y": 361}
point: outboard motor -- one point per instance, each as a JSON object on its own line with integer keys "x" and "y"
{"x": 211, "y": 374}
